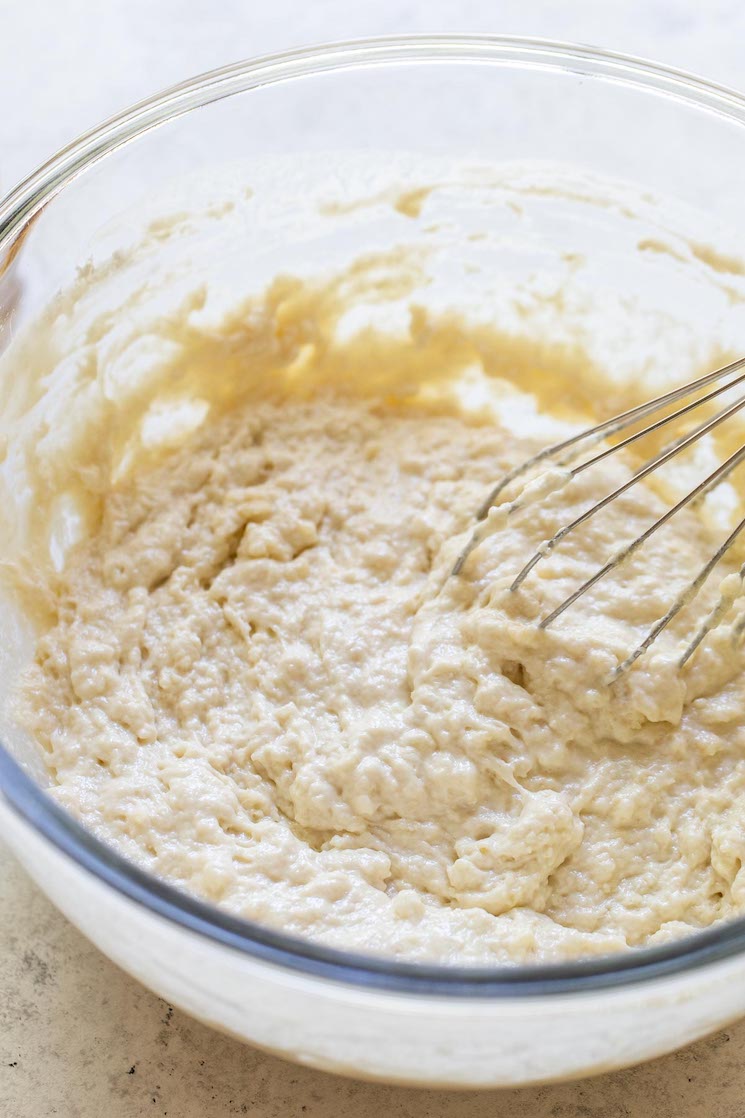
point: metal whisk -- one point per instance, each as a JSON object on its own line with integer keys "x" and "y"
{"x": 564, "y": 454}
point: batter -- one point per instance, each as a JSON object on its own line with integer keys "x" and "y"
{"x": 260, "y": 683}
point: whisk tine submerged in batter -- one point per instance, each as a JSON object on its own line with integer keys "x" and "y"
{"x": 261, "y": 683}
{"x": 494, "y": 515}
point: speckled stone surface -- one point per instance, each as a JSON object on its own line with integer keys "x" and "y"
{"x": 78, "y": 1038}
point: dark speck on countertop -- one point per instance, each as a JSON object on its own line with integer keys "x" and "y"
{"x": 38, "y": 968}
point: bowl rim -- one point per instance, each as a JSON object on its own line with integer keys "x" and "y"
{"x": 31, "y": 803}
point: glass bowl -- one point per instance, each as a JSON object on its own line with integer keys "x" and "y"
{"x": 410, "y": 126}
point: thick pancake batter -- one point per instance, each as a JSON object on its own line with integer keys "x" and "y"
{"x": 260, "y": 684}
{"x": 262, "y": 687}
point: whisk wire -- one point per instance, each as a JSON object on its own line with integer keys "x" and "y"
{"x": 680, "y": 602}
{"x": 607, "y": 428}
{"x": 566, "y": 451}
{"x": 665, "y": 455}
{"x": 702, "y": 488}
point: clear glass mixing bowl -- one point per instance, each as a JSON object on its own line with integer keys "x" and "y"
{"x": 339, "y": 122}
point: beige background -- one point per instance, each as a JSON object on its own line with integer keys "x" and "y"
{"x": 79, "y": 1039}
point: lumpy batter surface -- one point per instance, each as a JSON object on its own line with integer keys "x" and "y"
{"x": 262, "y": 685}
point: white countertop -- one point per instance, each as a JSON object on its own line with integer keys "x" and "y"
{"x": 78, "y": 1038}
{"x": 66, "y": 65}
